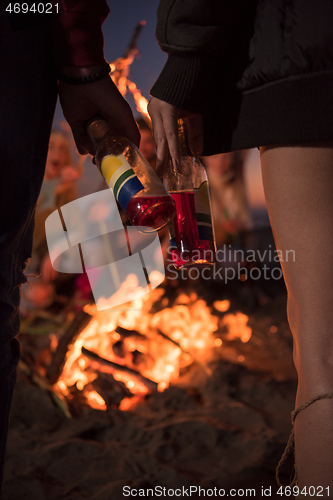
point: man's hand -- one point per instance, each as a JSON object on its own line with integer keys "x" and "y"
{"x": 164, "y": 117}
{"x": 80, "y": 103}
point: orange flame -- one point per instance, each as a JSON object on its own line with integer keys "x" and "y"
{"x": 151, "y": 349}
{"x": 165, "y": 342}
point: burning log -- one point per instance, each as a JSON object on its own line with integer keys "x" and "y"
{"x": 174, "y": 342}
{"x": 194, "y": 358}
{"x": 119, "y": 349}
{"x": 132, "y": 47}
{"x": 137, "y": 357}
{"x": 143, "y": 359}
{"x": 129, "y": 333}
{"x": 78, "y": 324}
{"x": 150, "y": 384}
{"x": 134, "y": 333}
{"x": 112, "y": 391}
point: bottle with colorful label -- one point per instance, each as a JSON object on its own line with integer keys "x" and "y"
{"x": 135, "y": 185}
{"x": 192, "y": 239}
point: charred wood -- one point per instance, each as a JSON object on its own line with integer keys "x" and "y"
{"x": 111, "y": 390}
{"x": 80, "y": 321}
{"x": 150, "y": 384}
{"x": 123, "y": 332}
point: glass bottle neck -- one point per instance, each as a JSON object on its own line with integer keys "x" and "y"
{"x": 97, "y": 128}
{"x": 184, "y": 139}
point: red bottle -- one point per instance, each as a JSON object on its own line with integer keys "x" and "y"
{"x": 135, "y": 185}
{"x": 191, "y": 231}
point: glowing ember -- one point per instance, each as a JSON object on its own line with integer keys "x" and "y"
{"x": 53, "y": 342}
{"x": 221, "y": 305}
{"x": 96, "y": 401}
{"x": 236, "y": 325}
{"x": 128, "y": 403}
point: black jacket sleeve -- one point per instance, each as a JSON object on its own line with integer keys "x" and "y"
{"x": 200, "y": 37}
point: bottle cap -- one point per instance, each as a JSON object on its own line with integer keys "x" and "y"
{"x": 97, "y": 128}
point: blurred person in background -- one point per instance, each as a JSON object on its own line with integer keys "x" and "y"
{"x": 58, "y": 188}
{"x": 230, "y": 207}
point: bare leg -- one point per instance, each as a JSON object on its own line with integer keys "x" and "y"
{"x": 298, "y": 183}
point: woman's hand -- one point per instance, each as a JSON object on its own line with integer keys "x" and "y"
{"x": 164, "y": 118}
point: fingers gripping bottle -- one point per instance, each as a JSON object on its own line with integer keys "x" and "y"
{"x": 135, "y": 185}
{"x": 191, "y": 231}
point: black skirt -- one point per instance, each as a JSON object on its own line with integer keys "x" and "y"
{"x": 293, "y": 110}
